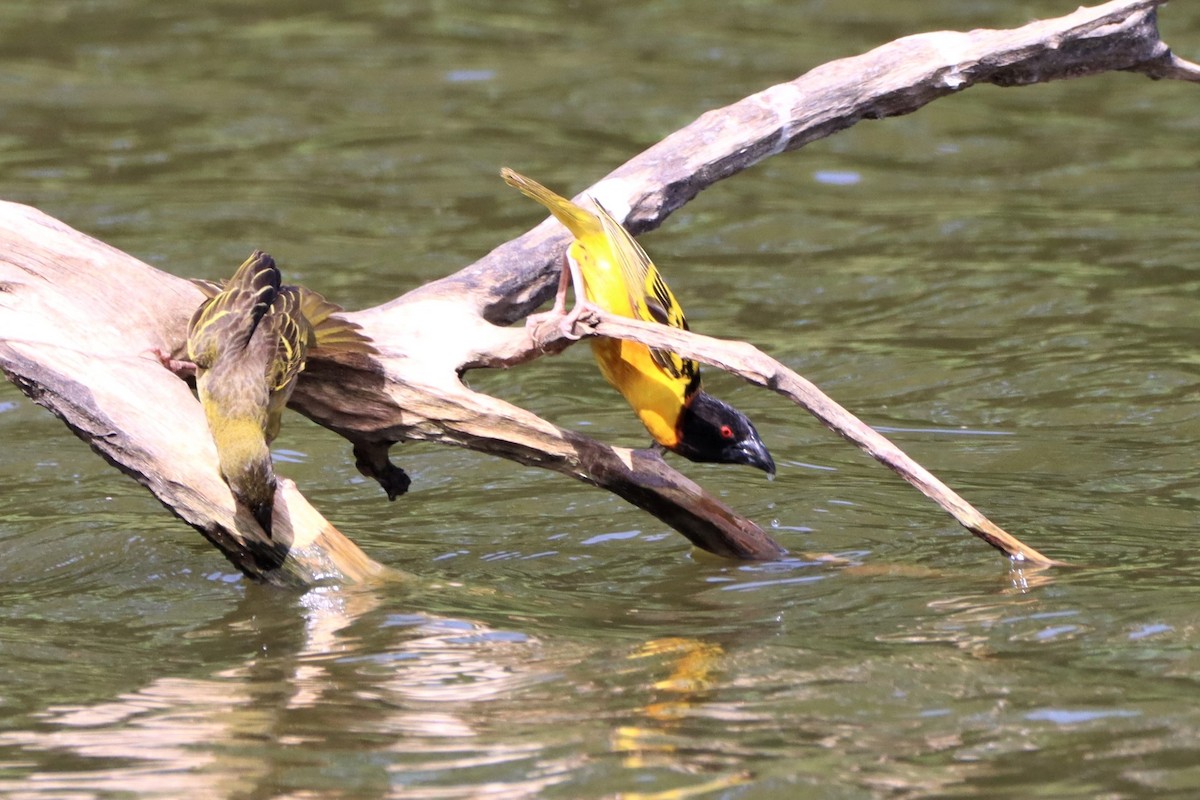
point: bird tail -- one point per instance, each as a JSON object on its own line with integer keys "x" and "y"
{"x": 578, "y": 220}
{"x": 334, "y": 333}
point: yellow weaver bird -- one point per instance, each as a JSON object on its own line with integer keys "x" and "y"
{"x": 247, "y": 344}
{"x": 609, "y": 270}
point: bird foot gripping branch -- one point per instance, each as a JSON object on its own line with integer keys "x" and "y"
{"x": 553, "y": 331}
{"x": 182, "y": 369}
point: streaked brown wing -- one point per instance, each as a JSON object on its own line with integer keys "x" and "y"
{"x": 226, "y": 321}
{"x": 294, "y": 336}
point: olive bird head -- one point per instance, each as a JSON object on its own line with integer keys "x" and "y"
{"x": 713, "y": 431}
{"x": 254, "y": 486}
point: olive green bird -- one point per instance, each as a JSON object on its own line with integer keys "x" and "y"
{"x": 249, "y": 342}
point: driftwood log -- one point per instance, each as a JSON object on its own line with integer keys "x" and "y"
{"x": 109, "y": 388}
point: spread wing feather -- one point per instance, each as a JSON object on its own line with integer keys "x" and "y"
{"x": 294, "y": 335}
{"x": 330, "y": 329}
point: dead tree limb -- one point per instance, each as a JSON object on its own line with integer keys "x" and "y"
{"x": 77, "y": 318}
{"x": 894, "y": 79}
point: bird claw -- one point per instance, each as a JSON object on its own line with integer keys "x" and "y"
{"x": 565, "y": 323}
{"x": 183, "y": 369}
{"x": 583, "y": 316}
{"x": 535, "y": 321}
{"x": 547, "y": 327}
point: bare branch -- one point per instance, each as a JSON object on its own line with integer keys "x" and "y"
{"x": 396, "y": 400}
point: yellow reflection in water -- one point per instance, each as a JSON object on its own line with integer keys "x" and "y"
{"x": 653, "y": 744}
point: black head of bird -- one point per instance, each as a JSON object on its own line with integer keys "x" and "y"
{"x": 715, "y": 432}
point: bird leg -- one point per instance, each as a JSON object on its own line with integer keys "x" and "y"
{"x": 560, "y": 296}
{"x": 583, "y": 310}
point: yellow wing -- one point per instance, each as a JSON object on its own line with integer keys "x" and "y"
{"x": 649, "y": 295}
{"x": 619, "y": 277}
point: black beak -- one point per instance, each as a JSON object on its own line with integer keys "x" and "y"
{"x": 752, "y": 452}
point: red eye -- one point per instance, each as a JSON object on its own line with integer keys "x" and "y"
{"x": 726, "y": 432}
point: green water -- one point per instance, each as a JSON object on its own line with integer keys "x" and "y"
{"x": 1006, "y": 283}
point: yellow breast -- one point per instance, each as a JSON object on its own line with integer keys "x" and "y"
{"x": 657, "y": 397}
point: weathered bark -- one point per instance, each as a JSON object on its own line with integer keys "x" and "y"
{"x": 78, "y": 320}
